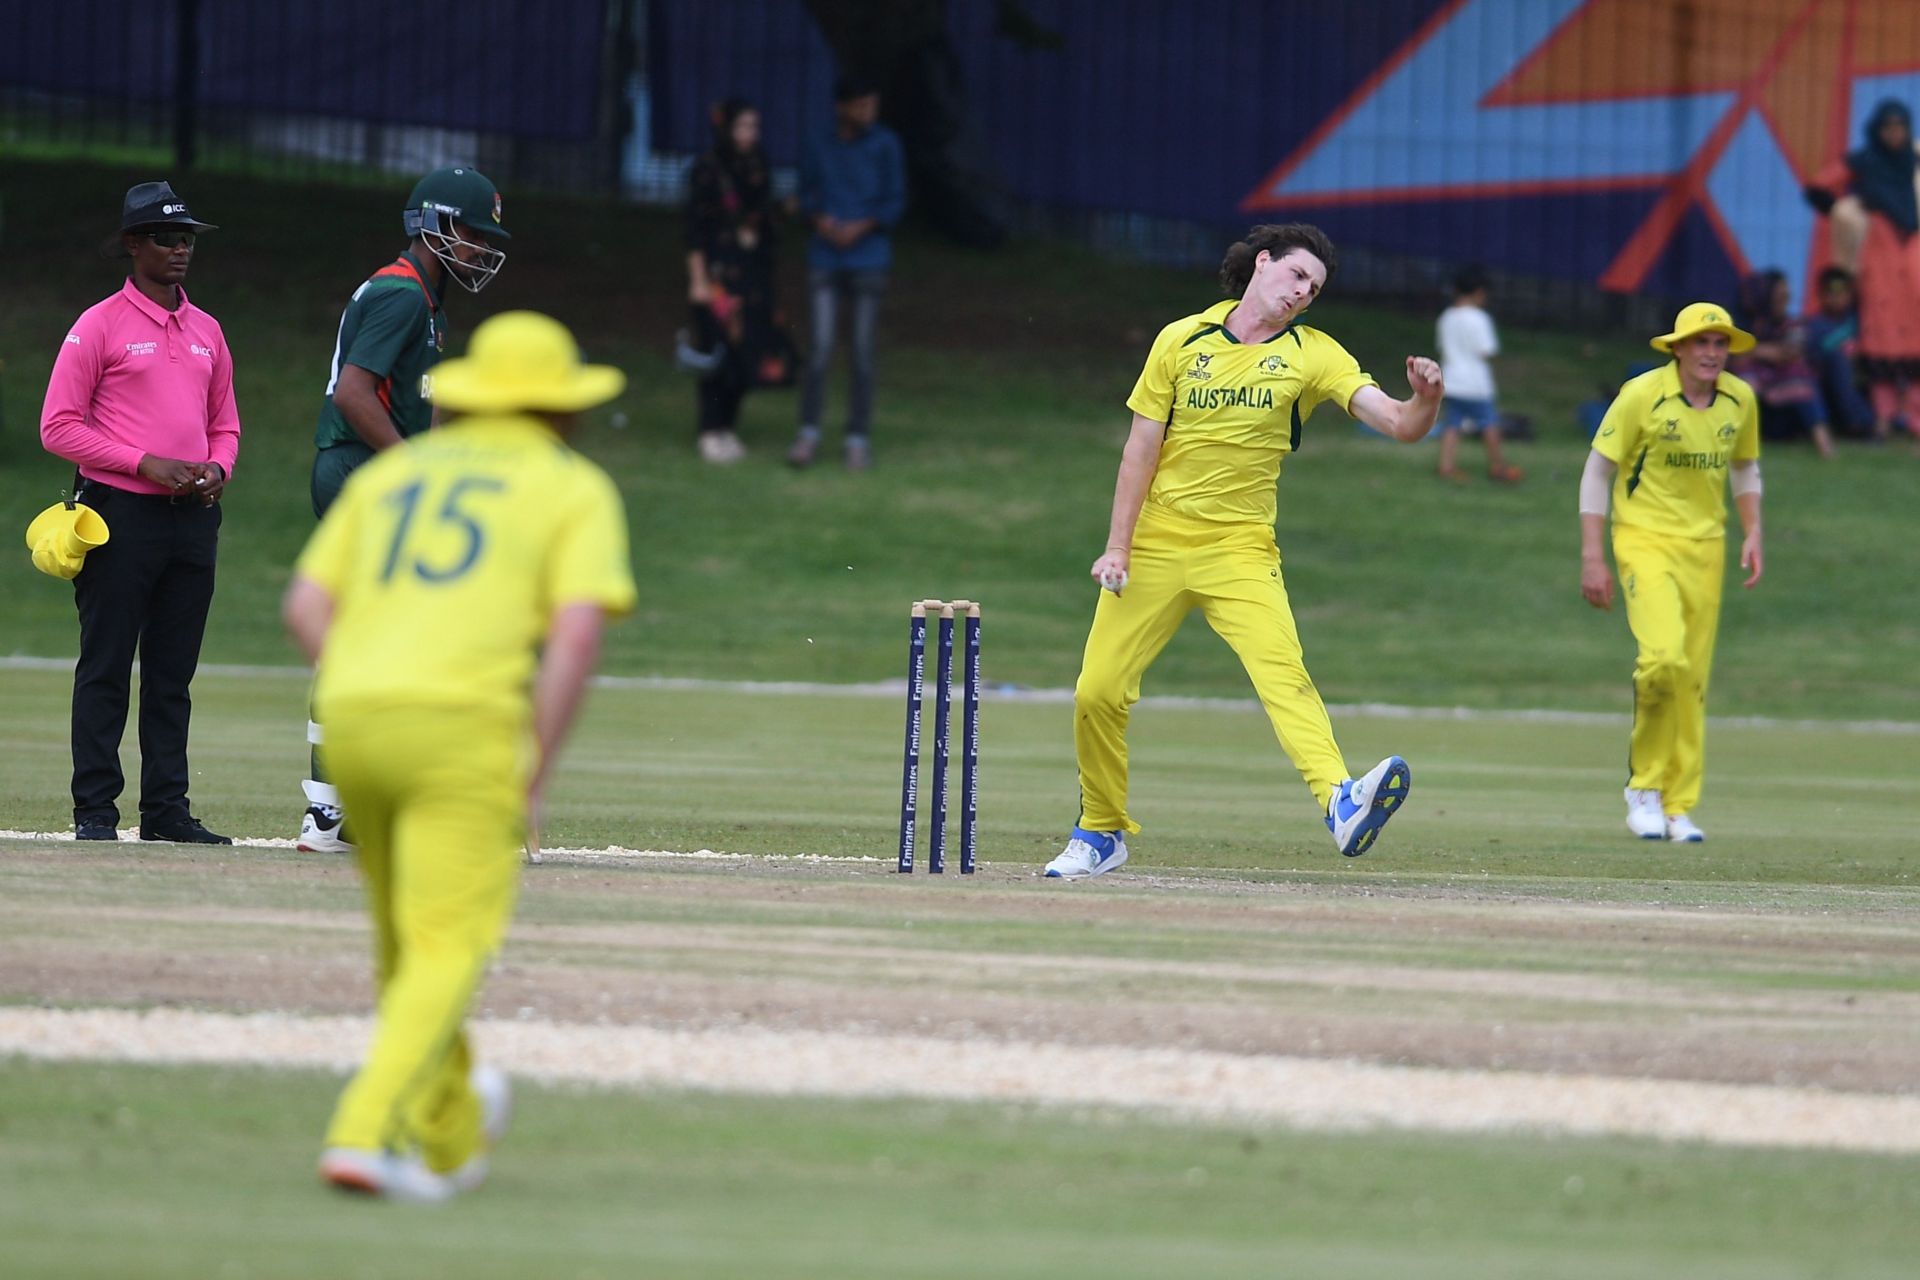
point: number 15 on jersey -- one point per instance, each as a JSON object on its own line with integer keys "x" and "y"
{"x": 444, "y": 545}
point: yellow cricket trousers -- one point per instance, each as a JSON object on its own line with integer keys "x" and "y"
{"x": 438, "y": 797}
{"x": 1672, "y": 589}
{"x": 1231, "y": 573}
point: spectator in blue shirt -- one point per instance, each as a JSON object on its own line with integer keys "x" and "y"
{"x": 1833, "y": 342}
{"x": 853, "y": 190}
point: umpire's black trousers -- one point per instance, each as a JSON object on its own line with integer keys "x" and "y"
{"x": 147, "y": 589}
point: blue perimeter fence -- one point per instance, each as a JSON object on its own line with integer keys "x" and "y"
{"x": 1604, "y": 157}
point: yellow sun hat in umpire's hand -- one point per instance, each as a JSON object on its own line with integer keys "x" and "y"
{"x": 1704, "y": 317}
{"x": 61, "y": 536}
{"x": 522, "y": 360}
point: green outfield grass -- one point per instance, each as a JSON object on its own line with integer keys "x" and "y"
{"x": 110, "y": 1172}
{"x": 1508, "y": 871}
{"x": 1781, "y": 947}
{"x": 999, "y": 426}
{"x": 703, "y": 768}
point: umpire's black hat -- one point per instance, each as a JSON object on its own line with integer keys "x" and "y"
{"x": 151, "y": 206}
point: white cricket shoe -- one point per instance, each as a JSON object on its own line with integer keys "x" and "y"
{"x": 1645, "y": 818}
{"x": 321, "y": 829}
{"x": 1680, "y": 830}
{"x": 1088, "y": 853}
{"x": 722, "y": 448}
{"x": 496, "y": 1113}
{"x": 1360, "y": 807}
{"x": 405, "y": 1177}
{"x": 387, "y": 1175}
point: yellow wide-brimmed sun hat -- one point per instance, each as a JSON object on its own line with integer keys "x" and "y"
{"x": 522, "y": 360}
{"x": 1704, "y": 317}
{"x": 61, "y": 536}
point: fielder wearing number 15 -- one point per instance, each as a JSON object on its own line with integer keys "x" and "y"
{"x": 423, "y": 597}
{"x": 1665, "y": 454}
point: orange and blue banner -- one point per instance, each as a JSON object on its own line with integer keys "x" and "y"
{"x": 1639, "y": 145}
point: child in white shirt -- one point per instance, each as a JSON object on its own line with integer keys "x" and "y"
{"x": 1467, "y": 346}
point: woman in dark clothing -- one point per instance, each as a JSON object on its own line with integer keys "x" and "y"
{"x": 730, "y": 235}
{"x": 1777, "y": 368}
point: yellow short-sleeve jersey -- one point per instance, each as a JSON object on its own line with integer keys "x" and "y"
{"x": 447, "y": 557}
{"x": 1234, "y": 411}
{"x": 1673, "y": 457}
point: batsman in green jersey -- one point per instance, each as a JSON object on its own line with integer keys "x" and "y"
{"x": 392, "y": 333}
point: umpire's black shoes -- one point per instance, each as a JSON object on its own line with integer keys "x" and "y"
{"x": 95, "y": 829}
{"x": 185, "y": 831}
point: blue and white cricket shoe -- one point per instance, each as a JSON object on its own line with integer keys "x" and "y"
{"x": 1681, "y": 830}
{"x": 1088, "y": 853}
{"x": 1646, "y": 817}
{"x": 1361, "y": 807}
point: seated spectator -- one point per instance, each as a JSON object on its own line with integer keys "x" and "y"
{"x": 1777, "y": 367}
{"x": 1833, "y": 347}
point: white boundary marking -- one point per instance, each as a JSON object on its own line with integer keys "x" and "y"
{"x": 131, "y": 835}
{"x": 1183, "y": 1084}
{"x": 1016, "y": 694}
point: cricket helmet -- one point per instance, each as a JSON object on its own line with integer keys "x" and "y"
{"x": 443, "y": 201}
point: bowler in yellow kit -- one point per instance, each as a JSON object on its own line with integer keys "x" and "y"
{"x": 435, "y": 579}
{"x": 1218, "y": 408}
{"x": 1672, "y": 444}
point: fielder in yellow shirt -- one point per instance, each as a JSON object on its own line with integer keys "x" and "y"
{"x": 1217, "y": 410}
{"x": 437, "y": 576}
{"x": 1673, "y": 442}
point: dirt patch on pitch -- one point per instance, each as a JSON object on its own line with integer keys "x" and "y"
{"x": 1767, "y": 998}
{"x": 1184, "y": 1084}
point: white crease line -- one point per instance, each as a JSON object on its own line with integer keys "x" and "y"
{"x": 1059, "y": 697}
{"x": 131, "y": 835}
{"x": 1302, "y": 1093}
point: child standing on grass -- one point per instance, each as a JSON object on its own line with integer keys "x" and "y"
{"x": 1467, "y": 345}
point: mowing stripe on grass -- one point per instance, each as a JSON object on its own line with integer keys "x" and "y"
{"x": 1013, "y": 693}
{"x": 1178, "y": 1084}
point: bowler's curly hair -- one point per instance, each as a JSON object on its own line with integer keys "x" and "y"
{"x": 1236, "y": 270}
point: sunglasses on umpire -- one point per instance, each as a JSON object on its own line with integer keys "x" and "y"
{"x": 171, "y": 239}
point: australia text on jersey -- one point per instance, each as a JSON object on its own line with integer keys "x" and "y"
{"x": 1229, "y": 397}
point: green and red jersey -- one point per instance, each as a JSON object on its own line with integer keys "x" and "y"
{"x": 395, "y": 329}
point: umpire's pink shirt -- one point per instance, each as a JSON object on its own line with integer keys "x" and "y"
{"x": 133, "y": 378}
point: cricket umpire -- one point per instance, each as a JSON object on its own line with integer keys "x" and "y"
{"x": 141, "y": 402}
{"x": 391, "y": 334}
{"x": 495, "y": 538}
